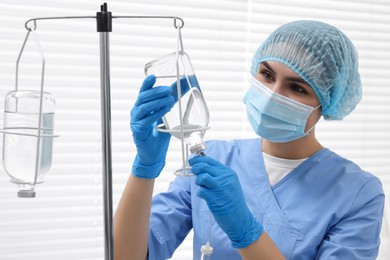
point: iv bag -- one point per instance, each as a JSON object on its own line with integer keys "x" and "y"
{"x": 24, "y": 164}
{"x": 189, "y": 118}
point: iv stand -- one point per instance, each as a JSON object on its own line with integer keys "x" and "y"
{"x": 104, "y": 26}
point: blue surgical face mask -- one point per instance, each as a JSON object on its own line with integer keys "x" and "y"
{"x": 275, "y": 117}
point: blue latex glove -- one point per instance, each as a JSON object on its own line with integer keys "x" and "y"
{"x": 221, "y": 189}
{"x": 151, "y": 105}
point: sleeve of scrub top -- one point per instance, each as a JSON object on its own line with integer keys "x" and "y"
{"x": 356, "y": 236}
{"x": 170, "y": 219}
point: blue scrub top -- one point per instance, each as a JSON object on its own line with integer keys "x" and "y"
{"x": 326, "y": 208}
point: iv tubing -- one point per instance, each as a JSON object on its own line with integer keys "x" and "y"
{"x": 206, "y": 249}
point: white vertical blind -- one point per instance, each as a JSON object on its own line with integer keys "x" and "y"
{"x": 65, "y": 220}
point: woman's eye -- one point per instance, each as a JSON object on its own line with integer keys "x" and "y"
{"x": 298, "y": 88}
{"x": 267, "y": 75}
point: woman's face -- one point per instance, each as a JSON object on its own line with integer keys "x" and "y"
{"x": 281, "y": 79}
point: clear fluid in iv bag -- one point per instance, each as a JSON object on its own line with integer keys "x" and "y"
{"x": 20, "y": 151}
{"x": 189, "y": 117}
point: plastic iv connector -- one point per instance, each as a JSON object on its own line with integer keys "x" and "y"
{"x": 206, "y": 251}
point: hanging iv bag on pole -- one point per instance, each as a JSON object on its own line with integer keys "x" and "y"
{"x": 28, "y": 132}
{"x": 189, "y": 118}
{"x": 20, "y": 141}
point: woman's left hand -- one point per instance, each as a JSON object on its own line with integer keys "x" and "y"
{"x": 221, "y": 189}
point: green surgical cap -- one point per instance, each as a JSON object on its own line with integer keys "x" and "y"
{"x": 321, "y": 55}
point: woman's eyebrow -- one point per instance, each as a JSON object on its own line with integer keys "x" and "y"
{"x": 297, "y": 80}
{"x": 268, "y": 67}
{"x": 293, "y": 79}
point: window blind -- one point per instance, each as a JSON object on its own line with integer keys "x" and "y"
{"x": 65, "y": 220}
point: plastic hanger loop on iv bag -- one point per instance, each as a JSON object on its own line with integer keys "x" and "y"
{"x": 28, "y": 131}
{"x": 188, "y": 120}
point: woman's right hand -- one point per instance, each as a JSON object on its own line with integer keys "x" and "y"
{"x": 151, "y": 105}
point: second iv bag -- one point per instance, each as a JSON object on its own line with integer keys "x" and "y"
{"x": 189, "y": 118}
{"x": 25, "y": 165}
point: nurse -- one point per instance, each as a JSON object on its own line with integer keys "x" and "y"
{"x": 280, "y": 196}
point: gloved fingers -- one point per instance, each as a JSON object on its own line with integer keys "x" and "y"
{"x": 214, "y": 171}
{"x": 184, "y": 87}
{"x": 200, "y": 168}
{"x": 160, "y": 121}
{"x": 150, "y": 108}
{"x": 216, "y": 201}
{"x": 203, "y": 193}
{"x": 205, "y": 159}
{"x": 150, "y": 119}
{"x": 202, "y": 164}
{"x": 152, "y": 94}
{"x": 193, "y": 81}
{"x": 206, "y": 181}
{"x": 148, "y": 83}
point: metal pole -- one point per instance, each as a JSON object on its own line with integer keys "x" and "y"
{"x": 106, "y": 143}
{"x": 104, "y": 23}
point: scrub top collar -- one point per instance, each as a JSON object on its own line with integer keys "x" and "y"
{"x": 263, "y": 189}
